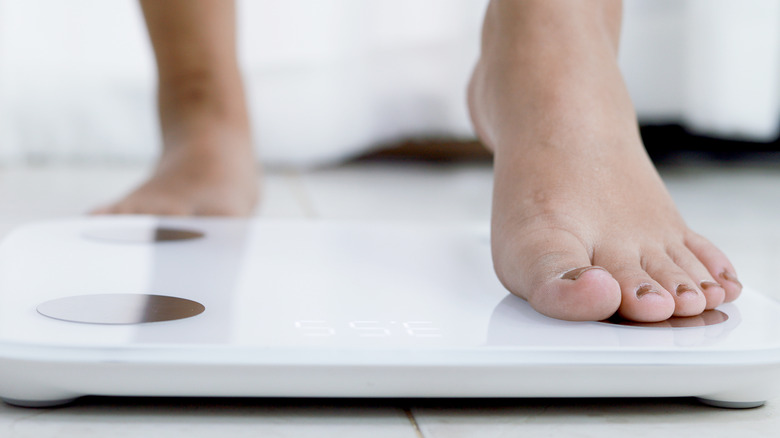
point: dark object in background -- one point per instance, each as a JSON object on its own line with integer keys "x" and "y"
{"x": 667, "y": 143}
{"x": 430, "y": 150}
{"x": 664, "y": 143}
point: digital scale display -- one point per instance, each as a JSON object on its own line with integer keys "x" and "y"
{"x": 368, "y": 329}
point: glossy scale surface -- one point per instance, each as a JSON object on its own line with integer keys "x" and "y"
{"x": 333, "y": 309}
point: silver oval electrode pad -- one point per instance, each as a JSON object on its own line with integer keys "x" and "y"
{"x": 142, "y": 234}
{"x": 120, "y": 308}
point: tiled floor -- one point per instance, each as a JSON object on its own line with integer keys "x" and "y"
{"x": 737, "y": 206}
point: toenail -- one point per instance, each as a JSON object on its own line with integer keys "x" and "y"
{"x": 684, "y": 289}
{"x": 575, "y": 273}
{"x": 709, "y": 285}
{"x": 728, "y": 276}
{"x": 645, "y": 289}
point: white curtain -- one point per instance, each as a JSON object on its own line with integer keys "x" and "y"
{"x": 327, "y": 79}
{"x": 713, "y": 65}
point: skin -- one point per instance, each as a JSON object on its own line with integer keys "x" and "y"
{"x": 207, "y": 166}
{"x": 573, "y": 185}
{"x": 582, "y": 225}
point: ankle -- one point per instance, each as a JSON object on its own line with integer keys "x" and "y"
{"x": 205, "y": 94}
{"x": 538, "y": 75}
{"x": 203, "y": 111}
{"x": 549, "y": 22}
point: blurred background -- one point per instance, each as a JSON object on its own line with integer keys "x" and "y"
{"x": 328, "y": 80}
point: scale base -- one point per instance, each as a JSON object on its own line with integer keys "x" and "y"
{"x": 52, "y": 403}
{"x": 730, "y": 404}
{"x": 39, "y": 403}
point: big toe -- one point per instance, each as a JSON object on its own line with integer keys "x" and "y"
{"x": 552, "y": 270}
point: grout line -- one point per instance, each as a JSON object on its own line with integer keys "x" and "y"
{"x": 300, "y": 193}
{"x": 412, "y": 420}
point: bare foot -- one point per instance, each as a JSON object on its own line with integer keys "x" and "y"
{"x": 218, "y": 180}
{"x": 207, "y": 166}
{"x": 583, "y": 226}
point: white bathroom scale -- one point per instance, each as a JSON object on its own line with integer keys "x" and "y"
{"x": 145, "y": 306}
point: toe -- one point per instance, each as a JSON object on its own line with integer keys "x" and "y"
{"x": 168, "y": 209}
{"x": 688, "y": 298}
{"x": 643, "y": 299}
{"x": 229, "y": 208}
{"x": 552, "y": 270}
{"x": 100, "y": 211}
{"x": 717, "y": 264}
{"x": 714, "y": 293}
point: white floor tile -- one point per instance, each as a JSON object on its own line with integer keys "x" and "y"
{"x": 44, "y": 192}
{"x": 280, "y": 197}
{"x": 596, "y": 418}
{"x": 170, "y": 418}
{"x": 394, "y": 191}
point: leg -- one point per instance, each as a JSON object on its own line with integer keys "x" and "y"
{"x": 207, "y": 166}
{"x": 582, "y": 224}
